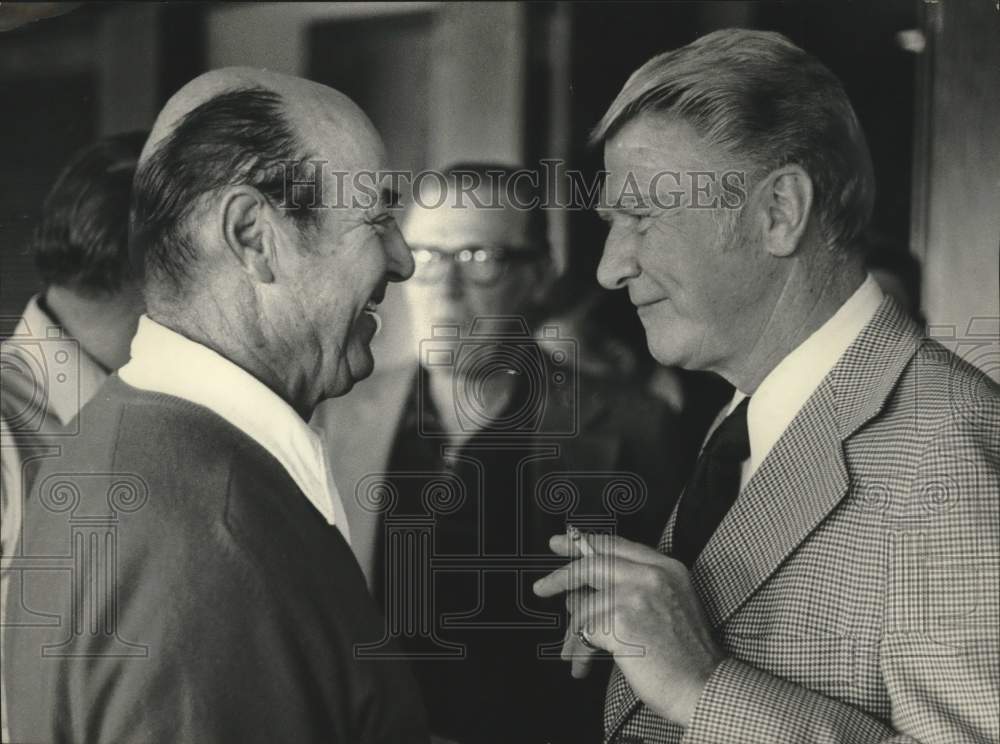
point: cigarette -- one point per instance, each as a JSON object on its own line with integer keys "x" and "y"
{"x": 582, "y": 541}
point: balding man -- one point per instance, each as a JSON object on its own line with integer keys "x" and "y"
{"x": 199, "y": 555}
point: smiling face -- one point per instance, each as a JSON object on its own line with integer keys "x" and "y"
{"x": 286, "y": 296}
{"x": 702, "y": 291}
{"x": 337, "y": 269}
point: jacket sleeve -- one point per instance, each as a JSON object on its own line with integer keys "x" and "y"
{"x": 940, "y": 649}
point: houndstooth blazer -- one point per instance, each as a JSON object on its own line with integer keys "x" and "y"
{"x": 854, "y": 581}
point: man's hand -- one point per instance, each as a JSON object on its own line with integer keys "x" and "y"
{"x": 641, "y": 608}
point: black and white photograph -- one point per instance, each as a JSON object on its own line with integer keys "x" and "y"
{"x": 549, "y": 372}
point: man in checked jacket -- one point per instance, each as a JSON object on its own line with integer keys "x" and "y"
{"x": 830, "y": 573}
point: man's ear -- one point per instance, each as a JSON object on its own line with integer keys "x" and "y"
{"x": 788, "y": 200}
{"x": 248, "y": 233}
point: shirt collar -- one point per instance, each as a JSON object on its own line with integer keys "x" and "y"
{"x": 166, "y": 362}
{"x": 785, "y": 390}
{"x": 72, "y": 376}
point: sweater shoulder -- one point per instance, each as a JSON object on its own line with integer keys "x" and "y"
{"x": 173, "y": 460}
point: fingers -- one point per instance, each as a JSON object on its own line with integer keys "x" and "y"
{"x": 602, "y": 560}
{"x": 574, "y": 599}
{"x": 590, "y": 614}
{"x": 581, "y": 663}
{"x": 589, "y": 620}
{"x": 605, "y": 544}
{"x": 564, "y": 579}
{"x": 565, "y": 545}
{"x": 598, "y": 571}
{"x": 594, "y": 571}
{"x": 574, "y": 650}
{"x": 577, "y": 654}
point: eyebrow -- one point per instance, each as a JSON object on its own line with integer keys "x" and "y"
{"x": 630, "y": 205}
{"x": 640, "y": 201}
{"x": 633, "y": 202}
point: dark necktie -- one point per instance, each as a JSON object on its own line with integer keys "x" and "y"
{"x": 713, "y": 487}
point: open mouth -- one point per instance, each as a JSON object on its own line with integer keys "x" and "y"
{"x": 371, "y": 308}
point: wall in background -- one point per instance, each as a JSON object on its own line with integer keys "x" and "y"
{"x": 129, "y": 66}
{"x": 100, "y": 69}
{"x": 956, "y": 225}
{"x": 49, "y": 88}
{"x": 478, "y": 78}
{"x": 476, "y": 75}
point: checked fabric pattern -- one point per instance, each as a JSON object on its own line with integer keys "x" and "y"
{"x": 854, "y": 581}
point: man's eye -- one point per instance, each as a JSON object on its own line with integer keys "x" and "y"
{"x": 642, "y": 220}
{"x": 391, "y": 199}
{"x": 382, "y": 223}
{"x": 624, "y": 215}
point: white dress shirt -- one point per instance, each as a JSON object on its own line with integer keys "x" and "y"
{"x": 785, "y": 390}
{"x": 166, "y": 362}
{"x": 69, "y": 376}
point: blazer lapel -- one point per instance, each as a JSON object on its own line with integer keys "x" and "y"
{"x": 798, "y": 484}
{"x": 805, "y": 475}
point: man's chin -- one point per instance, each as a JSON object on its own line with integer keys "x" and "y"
{"x": 360, "y": 363}
{"x": 667, "y": 352}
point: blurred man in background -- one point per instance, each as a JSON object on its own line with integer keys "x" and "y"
{"x": 495, "y": 433}
{"x": 75, "y": 331}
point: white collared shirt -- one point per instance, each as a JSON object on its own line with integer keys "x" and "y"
{"x": 164, "y": 361}
{"x": 69, "y": 375}
{"x": 782, "y": 394}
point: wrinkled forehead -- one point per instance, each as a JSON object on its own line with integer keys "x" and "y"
{"x": 450, "y": 218}
{"x": 655, "y": 151}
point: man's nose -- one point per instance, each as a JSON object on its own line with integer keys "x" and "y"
{"x": 618, "y": 263}
{"x": 453, "y": 280}
{"x": 400, "y": 257}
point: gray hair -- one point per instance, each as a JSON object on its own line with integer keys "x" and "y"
{"x": 766, "y": 103}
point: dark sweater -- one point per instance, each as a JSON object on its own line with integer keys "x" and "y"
{"x": 239, "y": 609}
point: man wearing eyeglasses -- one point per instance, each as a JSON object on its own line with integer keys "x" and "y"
{"x": 480, "y": 252}
{"x": 490, "y": 439}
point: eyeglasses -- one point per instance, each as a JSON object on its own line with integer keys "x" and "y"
{"x": 477, "y": 264}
